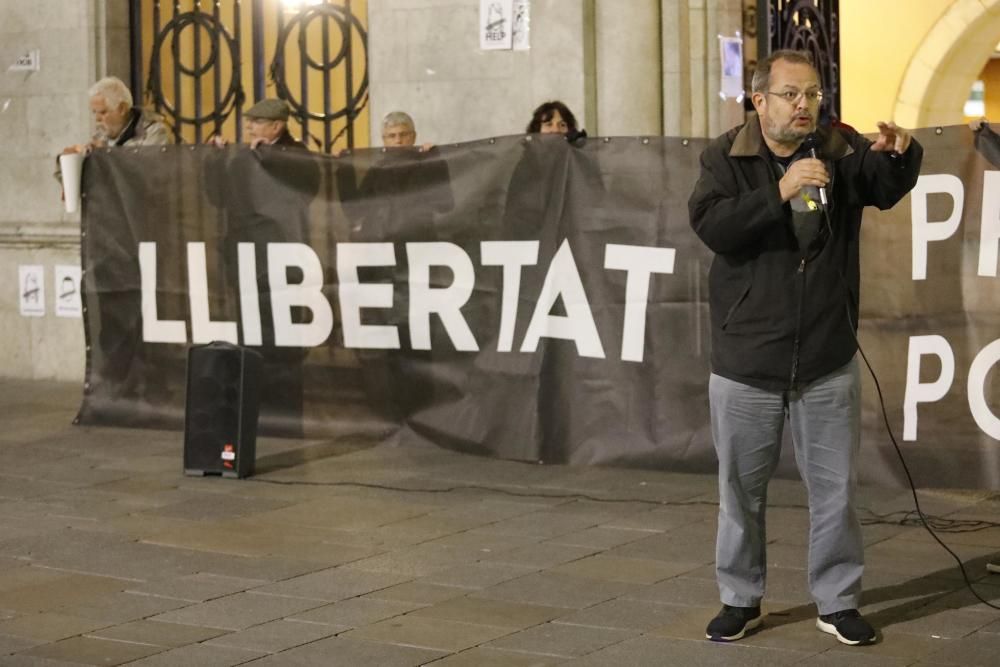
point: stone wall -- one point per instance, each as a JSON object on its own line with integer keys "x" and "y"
{"x": 424, "y": 58}
{"x": 624, "y": 66}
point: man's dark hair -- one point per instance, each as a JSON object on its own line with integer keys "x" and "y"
{"x": 762, "y": 73}
{"x": 544, "y": 113}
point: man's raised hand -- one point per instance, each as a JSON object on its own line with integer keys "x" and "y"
{"x": 891, "y": 138}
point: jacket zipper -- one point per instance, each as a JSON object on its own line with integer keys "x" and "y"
{"x": 798, "y": 324}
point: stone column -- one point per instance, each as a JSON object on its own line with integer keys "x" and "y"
{"x": 40, "y": 113}
{"x": 629, "y": 80}
{"x": 691, "y": 103}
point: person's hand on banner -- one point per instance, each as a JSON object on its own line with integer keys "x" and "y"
{"x": 216, "y": 140}
{"x": 807, "y": 171}
{"x": 891, "y": 139}
{"x": 77, "y": 148}
{"x": 259, "y": 141}
{"x": 424, "y": 148}
{"x": 979, "y": 124}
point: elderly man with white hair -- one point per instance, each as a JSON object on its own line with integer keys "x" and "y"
{"x": 399, "y": 130}
{"x": 118, "y": 122}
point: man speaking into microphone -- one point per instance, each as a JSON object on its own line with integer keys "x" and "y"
{"x": 779, "y": 202}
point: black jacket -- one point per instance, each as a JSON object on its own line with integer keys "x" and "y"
{"x": 399, "y": 197}
{"x": 779, "y": 318}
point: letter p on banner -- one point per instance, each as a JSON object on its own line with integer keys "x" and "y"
{"x": 925, "y": 231}
{"x": 928, "y": 392}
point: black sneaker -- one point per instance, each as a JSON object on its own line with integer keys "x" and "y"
{"x": 848, "y": 626}
{"x": 733, "y": 623}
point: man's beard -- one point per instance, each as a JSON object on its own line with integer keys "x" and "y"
{"x": 110, "y": 132}
{"x": 785, "y": 135}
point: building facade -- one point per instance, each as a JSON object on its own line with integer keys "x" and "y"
{"x": 626, "y": 67}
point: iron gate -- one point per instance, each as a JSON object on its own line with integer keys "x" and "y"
{"x": 806, "y": 25}
{"x": 198, "y": 62}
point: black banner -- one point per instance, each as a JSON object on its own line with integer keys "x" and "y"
{"x": 515, "y": 297}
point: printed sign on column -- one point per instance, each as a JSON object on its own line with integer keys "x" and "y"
{"x": 495, "y": 27}
{"x": 67, "y": 288}
{"x": 731, "y": 61}
{"x": 32, "y": 290}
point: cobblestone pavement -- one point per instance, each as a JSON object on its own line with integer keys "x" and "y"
{"x": 341, "y": 552}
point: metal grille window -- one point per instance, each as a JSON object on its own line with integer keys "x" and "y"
{"x": 200, "y": 62}
{"x": 808, "y": 25}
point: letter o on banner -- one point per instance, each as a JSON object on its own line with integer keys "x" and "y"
{"x": 981, "y": 366}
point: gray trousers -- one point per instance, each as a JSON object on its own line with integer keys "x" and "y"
{"x": 747, "y": 424}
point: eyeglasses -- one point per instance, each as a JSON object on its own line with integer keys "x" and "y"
{"x": 793, "y": 96}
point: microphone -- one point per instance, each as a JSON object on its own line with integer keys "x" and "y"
{"x": 810, "y": 145}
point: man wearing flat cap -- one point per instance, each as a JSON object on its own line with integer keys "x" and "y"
{"x": 266, "y": 124}
{"x": 264, "y": 197}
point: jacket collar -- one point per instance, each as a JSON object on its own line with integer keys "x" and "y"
{"x": 749, "y": 142}
{"x": 131, "y": 130}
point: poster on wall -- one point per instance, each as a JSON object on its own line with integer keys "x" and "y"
{"x": 67, "y": 290}
{"x": 731, "y": 64}
{"x": 31, "y": 289}
{"x": 520, "y": 34}
{"x": 495, "y": 24}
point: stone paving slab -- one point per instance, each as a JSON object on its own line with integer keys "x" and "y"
{"x": 48, "y": 626}
{"x": 349, "y": 552}
{"x": 349, "y": 652}
{"x": 199, "y": 655}
{"x": 195, "y": 587}
{"x": 428, "y": 633}
{"x": 123, "y": 607}
{"x": 157, "y": 633}
{"x": 417, "y": 593}
{"x": 355, "y": 612}
{"x": 490, "y": 612}
{"x": 557, "y": 590}
{"x": 275, "y": 636}
{"x": 478, "y": 575}
{"x": 648, "y": 650}
{"x": 237, "y": 612}
{"x": 333, "y": 584}
{"x": 624, "y": 614}
{"x": 491, "y": 657}
{"x": 93, "y": 651}
{"x": 9, "y": 644}
{"x": 541, "y": 555}
{"x": 561, "y": 641}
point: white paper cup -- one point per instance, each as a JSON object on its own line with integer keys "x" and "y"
{"x": 71, "y": 166}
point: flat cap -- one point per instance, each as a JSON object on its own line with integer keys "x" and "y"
{"x": 268, "y": 109}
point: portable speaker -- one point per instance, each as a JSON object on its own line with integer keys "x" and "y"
{"x": 220, "y": 414}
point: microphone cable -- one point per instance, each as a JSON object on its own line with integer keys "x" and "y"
{"x": 924, "y": 520}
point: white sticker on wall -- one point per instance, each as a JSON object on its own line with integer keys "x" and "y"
{"x": 495, "y": 25}
{"x": 731, "y": 61}
{"x": 31, "y": 285}
{"x": 521, "y": 30}
{"x": 67, "y": 289}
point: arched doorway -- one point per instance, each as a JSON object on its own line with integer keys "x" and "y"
{"x": 945, "y": 65}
